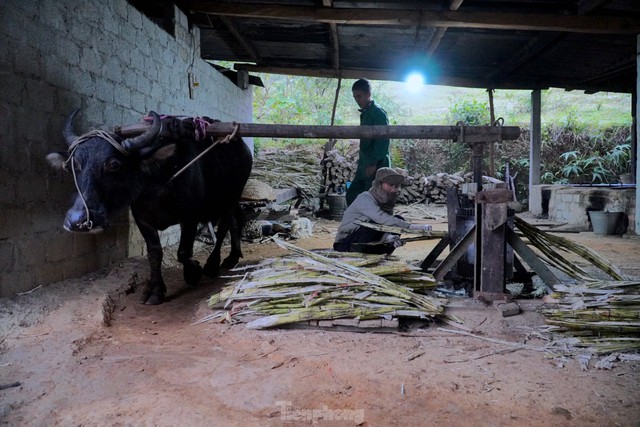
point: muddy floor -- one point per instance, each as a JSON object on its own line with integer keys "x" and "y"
{"x": 60, "y": 365}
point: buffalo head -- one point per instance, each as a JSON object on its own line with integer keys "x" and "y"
{"x": 108, "y": 172}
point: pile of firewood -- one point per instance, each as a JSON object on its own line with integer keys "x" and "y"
{"x": 432, "y": 188}
{"x": 437, "y": 185}
{"x": 339, "y": 169}
{"x": 300, "y": 169}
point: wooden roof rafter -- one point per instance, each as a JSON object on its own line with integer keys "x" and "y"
{"x": 440, "y": 31}
{"x": 246, "y": 45}
{"x": 453, "y": 19}
{"x": 490, "y": 44}
{"x": 538, "y": 45}
{"x": 335, "y": 41}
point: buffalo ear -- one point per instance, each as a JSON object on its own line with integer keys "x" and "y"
{"x": 57, "y": 160}
{"x": 153, "y": 160}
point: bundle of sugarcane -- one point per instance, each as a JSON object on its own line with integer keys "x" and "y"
{"x": 421, "y": 234}
{"x": 546, "y": 242}
{"x": 298, "y": 168}
{"x": 327, "y": 285}
{"x": 603, "y": 315}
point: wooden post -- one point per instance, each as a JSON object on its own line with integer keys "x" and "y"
{"x": 478, "y": 149}
{"x": 492, "y": 145}
{"x": 328, "y": 146}
{"x": 491, "y": 257}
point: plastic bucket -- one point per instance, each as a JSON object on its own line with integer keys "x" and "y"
{"x": 337, "y": 205}
{"x": 604, "y": 223}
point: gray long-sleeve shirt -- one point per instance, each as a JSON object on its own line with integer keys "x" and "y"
{"x": 366, "y": 209}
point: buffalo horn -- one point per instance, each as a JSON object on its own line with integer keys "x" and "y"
{"x": 67, "y": 129}
{"x": 144, "y": 140}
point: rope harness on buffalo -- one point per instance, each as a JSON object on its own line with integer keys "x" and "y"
{"x": 223, "y": 140}
{"x": 88, "y": 224}
{"x": 199, "y": 133}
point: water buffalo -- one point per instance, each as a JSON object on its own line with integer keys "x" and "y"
{"x": 112, "y": 174}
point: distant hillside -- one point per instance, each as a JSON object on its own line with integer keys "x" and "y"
{"x": 431, "y": 105}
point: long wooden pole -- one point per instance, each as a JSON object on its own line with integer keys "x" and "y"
{"x": 465, "y": 134}
{"x": 492, "y": 146}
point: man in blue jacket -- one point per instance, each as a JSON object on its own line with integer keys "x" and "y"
{"x": 374, "y": 152}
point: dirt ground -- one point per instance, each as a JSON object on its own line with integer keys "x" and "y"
{"x": 156, "y": 366}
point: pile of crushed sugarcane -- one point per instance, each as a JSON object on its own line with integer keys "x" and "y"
{"x": 325, "y": 286}
{"x": 547, "y": 244}
{"x": 298, "y": 168}
{"x": 603, "y": 316}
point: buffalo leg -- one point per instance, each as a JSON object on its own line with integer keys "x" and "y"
{"x": 155, "y": 289}
{"x": 235, "y": 229}
{"x": 192, "y": 272}
{"x": 212, "y": 267}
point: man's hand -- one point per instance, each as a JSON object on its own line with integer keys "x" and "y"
{"x": 371, "y": 170}
{"x": 420, "y": 227}
{"x": 393, "y": 239}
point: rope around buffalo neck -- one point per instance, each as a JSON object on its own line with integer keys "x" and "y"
{"x": 223, "y": 140}
{"x": 88, "y": 224}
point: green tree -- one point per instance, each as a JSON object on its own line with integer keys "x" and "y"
{"x": 309, "y": 101}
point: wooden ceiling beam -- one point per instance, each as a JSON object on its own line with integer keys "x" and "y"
{"x": 592, "y": 24}
{"x": 586, "y": 6}
{"x": 538, "y": 45}
{"x": 251, "y": 51}
{"x": 375, "y": 75}
{"x": 533, "y": 49}
{"x": 440, "y": 31}
{"x": 335, "y": 41}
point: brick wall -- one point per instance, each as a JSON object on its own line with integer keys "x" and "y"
{"x": 112, "y": 62}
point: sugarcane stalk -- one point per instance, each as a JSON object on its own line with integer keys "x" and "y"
{"x": 380, "y": 283}
{"x": 588, "y": 254}
{"x": 400, "y": 230}
{"x": 313, "y": 313}
{"x": 603, "y": 326}
{"x": 594, "y": 314}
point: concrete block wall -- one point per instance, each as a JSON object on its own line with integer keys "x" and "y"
{"x": 115, "y": 64}
{"x": 571, "y": 205}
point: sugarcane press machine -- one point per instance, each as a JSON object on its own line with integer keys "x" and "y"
{"x": 481, "y": 239}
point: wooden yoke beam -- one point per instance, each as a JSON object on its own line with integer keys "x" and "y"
{"x": 471, "y": 133}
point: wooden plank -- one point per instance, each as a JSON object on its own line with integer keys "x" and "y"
{"x": 456, "y": 253}
{"x": 492, "y": 253}
{"x": 497, "y": 195}
{"x": 284, "y": 194}
{"x": 435, "y": 253}
{"x": 471, "y": 133}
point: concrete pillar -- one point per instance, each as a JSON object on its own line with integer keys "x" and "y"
{"x": 637, "y": 122}
{"x": 535, "y": 138}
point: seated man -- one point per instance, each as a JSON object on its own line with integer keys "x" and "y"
{"x": 375, "y": 206}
